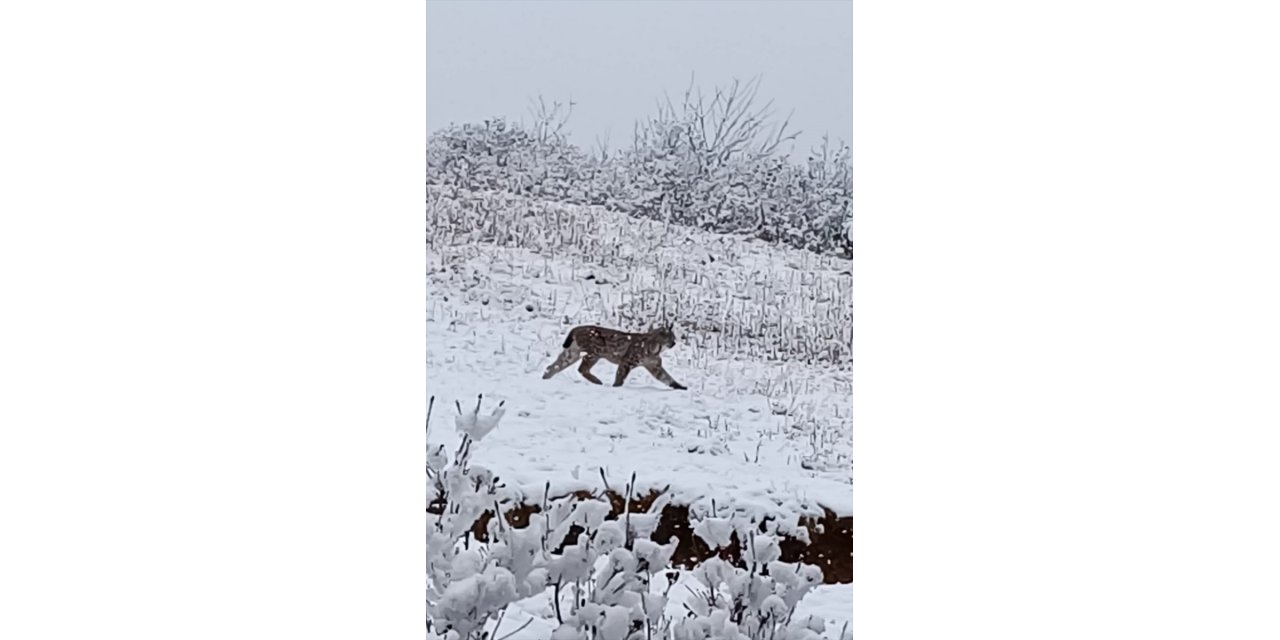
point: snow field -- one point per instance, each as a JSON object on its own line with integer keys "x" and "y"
{"x": 762, "y": 432}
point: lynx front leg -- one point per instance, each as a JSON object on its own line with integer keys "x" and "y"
{"x": 567, "y": 357}
{"x": 623, "y": 371}
{"x": 585, "y": 369}
{"x": 661, "y": 374}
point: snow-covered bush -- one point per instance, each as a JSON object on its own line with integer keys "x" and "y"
{"x": 466, "y": 587}
{"x": 470, "y": 585}
{"x": 707, "y": 163}
{"x": 718, "y": 163}
{"x": 502, "y": 155}
{"x": 757, "y": 602}
{"x": 810, "y": 202}
{"x": 601, "y": 575}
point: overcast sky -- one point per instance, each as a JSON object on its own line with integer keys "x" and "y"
{"x": 614, "y": 58}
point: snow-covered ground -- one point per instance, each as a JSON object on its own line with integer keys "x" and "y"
{"x": 534, "y": 618}
{"x": 763, "y": 429}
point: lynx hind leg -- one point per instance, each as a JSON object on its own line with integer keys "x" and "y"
{"x": 567, "y": 357}
{"x": 623, "y": 371}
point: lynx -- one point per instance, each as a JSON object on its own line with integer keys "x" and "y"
{"x": 627, "y": 350}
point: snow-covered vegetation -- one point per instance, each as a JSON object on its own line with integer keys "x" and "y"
{"x": 732, "y": 298}
{"x": 581, "y": 576}
{"x": 559, "y": 509}
{"x": 711, "y": 160}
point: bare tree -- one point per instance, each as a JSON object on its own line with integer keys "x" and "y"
{"x": 549, "y": 121}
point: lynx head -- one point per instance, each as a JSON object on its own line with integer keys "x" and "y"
{"x": 665, "y": 336}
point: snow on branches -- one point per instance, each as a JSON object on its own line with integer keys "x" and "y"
{"x": 596, "y": 579}
{"x": 717, "y": 162}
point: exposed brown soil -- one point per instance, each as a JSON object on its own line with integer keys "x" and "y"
{"x": 830, "y": 546}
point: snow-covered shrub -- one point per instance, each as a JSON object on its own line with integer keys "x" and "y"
{"x": 502, "y": 155}
{"x": 716, "y": 163}
{"x": 755, "y": 603}
{"x": 808, "y": 204}
{"x": 470, "y": 585}
{"x": 600, "y": 575}
{"x": 466, "y": 587}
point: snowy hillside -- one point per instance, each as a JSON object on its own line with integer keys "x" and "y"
{"x": 760, "y": 441}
